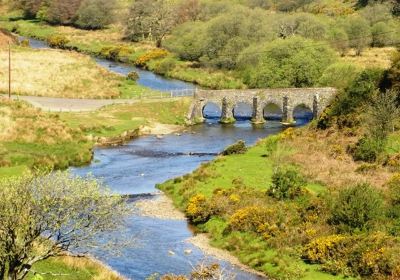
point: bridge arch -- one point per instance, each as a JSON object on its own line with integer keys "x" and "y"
{"x": 272, "y": 111}
{"x": 211, "y": 110}
{"x": 242, "y": 110}
{"x": 303, "y": 113}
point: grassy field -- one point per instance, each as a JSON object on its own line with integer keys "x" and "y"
{"x": 30, "y": 139}
{"x": 72, "y": 75}
{"x": 113, "y": 120}
{"x": 67, "y": 268}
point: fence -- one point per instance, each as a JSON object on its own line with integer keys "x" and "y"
{"x": 168, "y": 94}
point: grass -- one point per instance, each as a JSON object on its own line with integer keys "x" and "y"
{"x": 371, "y": 58}
{"x": 31, "y": 139}
{"x": 113, "y": 120}
{"x": 66, "y": 268}
{"x": 72, "y": 75}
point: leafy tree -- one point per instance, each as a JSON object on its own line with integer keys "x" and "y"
{"x": 45, "y": 216}
{"x": 382, "y": 114}
{"x": 339, "y": 75}
{"x": 339, "y": 40}
{"x": 63, "y": 11}
{"x": 95, "y": 14}
{"x": 150, "y": 19}
{"x": 188, "y": 40}
{"x": 293, "y": 62}
{"x": 30, "y": 7}
{"x": 356, "y": 208}
{"x": 188, "y": 10}
{"x": 359, "y": 33}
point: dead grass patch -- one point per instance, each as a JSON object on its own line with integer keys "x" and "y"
{"x": 322, "y": 156}
{"x": 371, "y": 57}
{"x": 56, "y": 73}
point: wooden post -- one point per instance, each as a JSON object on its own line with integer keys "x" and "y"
{"x": 9, "y": 70}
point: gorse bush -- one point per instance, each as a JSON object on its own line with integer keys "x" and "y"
{"x": 58, "y": 41}
{"x": 367, "y": 149}
{"x": 287, "y": 183}
{"x": 357, "y": 208}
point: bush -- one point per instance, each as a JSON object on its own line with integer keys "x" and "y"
{"x": 238, "y": 148}
{"x": 197, "y": 209}
{"x": 339, "y": 75}
{"x": 359, "y": 255}
{"x": 95, "y": 14}
{"x": 153, "y": 54}
{"x": 367, "y": 149}
{"x": 262, "y": 220}
{"x": 133, "y": 76}
{"x": 357, "y": 208}
{"x": 58, "y": 41}
{"x": 287, "y": 183}
{"x": 165, "y": 66}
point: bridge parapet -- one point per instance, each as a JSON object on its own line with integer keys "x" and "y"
{"x": 286, "y": 99}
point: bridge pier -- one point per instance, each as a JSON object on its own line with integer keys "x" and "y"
{"x": 287, "y": 117}
{"x": 258, "y": 114}
{"x": 316, "y": 106}
{"x": 227, "y": 112}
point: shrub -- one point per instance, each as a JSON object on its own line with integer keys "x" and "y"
{"x": 58, "y": 41}
{"x": 357, "y": 208}
{"x": 165, "y": 66}
{"x": 359, "y": 255}
{"x": 326, "y": 248}
{"x": 367, "y": 149}
{"x": 287, "y": 183}
{"x": 153, "y": 54}
{"x": 262, "y": 220}
{"x": 95, "y": 14}
{"x": 197, "y": 209}
{"x": 237, "y": 148}
{"x": 133, "y": 76}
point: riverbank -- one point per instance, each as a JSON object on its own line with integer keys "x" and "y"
{"x": 109, "y": 44}
{"x": 227, "y": 199}
{"x": 31, "y": 138}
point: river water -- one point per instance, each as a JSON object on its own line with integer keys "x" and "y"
{"x": 136, "y": 168}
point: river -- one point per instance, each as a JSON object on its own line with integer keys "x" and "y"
{"x": 138, "y": 166}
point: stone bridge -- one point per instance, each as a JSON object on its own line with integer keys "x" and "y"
{"x": 287, "y": 100}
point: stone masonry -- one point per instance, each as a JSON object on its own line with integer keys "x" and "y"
{"x": 316, "y": 99}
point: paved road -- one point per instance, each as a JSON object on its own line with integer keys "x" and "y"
{"x": 76, "y": 105}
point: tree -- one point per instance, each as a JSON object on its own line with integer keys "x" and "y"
{"x": 63, "y": 11}
{"x": 356, "y": 208}
{"x": 293, "y": 62}
{"x": 150, "y": 19}
{"x": 359, "y": 33}
{"x": 95, "y": 14}
{"x": 382, "y": 114}
{"x": 188, "y": 10}
{"x": 30, "y": 7}
{"x": 339, "y": 40}
{"x": 45, "y": 216}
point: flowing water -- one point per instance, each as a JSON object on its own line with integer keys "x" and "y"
{"x": 137, "y": 167}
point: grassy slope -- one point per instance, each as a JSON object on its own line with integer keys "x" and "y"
{"x": 73, "y": 76}
{"x": 113, "y": 120}
{"x": 311, "y": 152}
{"x": 30, "y": 138}
{"x": 255, "y": 170}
